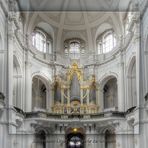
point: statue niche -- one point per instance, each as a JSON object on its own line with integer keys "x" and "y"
{"x": 74, "y": 95}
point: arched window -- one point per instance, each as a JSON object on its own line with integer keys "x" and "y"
{"x": 74, "y": 48}
{"x": 41, "y": 41}
{"x": 106, "y": 42}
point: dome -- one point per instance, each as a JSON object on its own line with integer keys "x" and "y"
{"x": 74, "y": 24}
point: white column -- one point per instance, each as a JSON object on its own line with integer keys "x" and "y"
{"x": 139, "y": 65}
{"x": 28, "y": 87}
{"x": 10, "y": 61}
{"x": 3, "y": 67}
{"x": 120, "y": 86}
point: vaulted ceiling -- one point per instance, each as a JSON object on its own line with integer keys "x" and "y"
{"x": 74, "y": 24}
{"x": 74, "y": 5}
{"x": 74, "y": 18}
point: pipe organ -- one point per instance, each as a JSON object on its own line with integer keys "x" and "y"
{"x": 74, "y": 94}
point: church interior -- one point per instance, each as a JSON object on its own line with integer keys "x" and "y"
{"x": 73, "y": 74}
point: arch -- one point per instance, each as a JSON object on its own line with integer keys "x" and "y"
{"x": 109, "y": 135}
{"x": 110, "y": 23}
{"x": 106, "y": 77}
{"x": 110, "y": 128}
{"x": 131, "y": 83}
{"x": 47, "y": 28}
{"x": 44, "y": 78}
{"x": 110, "y": 139}
{"x": 75, "y": 137}
{"x": 17, "y": 83}
{"x": 101, "y": 83}
{"x": 102, "y": 28}
{"x": 74, "y": 47}
{"x": 106, "y": 41}
{"x": 42, "y": 38}
{"x": 74, "y": 34}
{"x": 110, "y": 93}
{"x": 41, "y": 23}
{"x": 39, "y": 93}
{"x": 40, "y": 139}
{"x": 42, "y": 129}
{"x": 44, "y": 88}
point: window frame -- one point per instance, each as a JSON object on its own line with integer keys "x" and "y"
{"x": 73, "y": 54}
{"x": 104, "y": 46}
{"x": 46, "y": 39}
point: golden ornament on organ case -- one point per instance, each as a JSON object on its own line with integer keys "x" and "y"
{"x": 77, "y": 105}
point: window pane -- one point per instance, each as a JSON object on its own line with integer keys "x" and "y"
{"x": 40, "y": 43}
{"x": 107, "y": 42}
{"x": 74, "y": 51}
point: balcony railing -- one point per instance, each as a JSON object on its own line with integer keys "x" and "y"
{"x": 40, "y": 114}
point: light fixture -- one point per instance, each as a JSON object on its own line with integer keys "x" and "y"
{"x": 75, "y": 129}
{"x": 78, "y": 143}
{"x": 71, "y": 143}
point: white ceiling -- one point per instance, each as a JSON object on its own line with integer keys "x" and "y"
{"x": 74, "y": 5}
{"x": 77, "y": 24}
{"x": 75, "y": 18}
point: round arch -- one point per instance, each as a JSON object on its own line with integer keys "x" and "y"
{"x": 43, "y": 77}
{"x": 108, "y": 88}
{"x": 39, "y": 22}
{"x": 107, "y": 77}
{"x": 109, "y": 128}
{"x": 109, "y": 136}
{"x": 40, "y": 138}
{"x": 46, "y": 85}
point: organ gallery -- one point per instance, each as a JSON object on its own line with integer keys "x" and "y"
{"x": 75, "y": 95}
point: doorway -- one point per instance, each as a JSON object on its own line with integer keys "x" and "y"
{"x": 75, "y": 139}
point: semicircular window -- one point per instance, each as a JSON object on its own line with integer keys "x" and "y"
{"x": 41, "y": 41}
